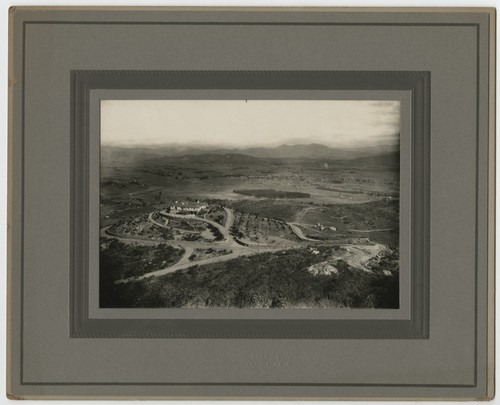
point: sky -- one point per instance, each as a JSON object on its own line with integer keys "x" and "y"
{"x": 240, "y": 123}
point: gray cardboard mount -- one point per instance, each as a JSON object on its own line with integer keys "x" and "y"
{"x": 455, "y": 46}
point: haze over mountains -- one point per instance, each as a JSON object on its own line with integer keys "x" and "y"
{"x": 284, "y": 151}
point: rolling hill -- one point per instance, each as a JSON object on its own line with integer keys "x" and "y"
{"x": 122, "y": 155}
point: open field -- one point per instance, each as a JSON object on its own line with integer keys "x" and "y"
{"x": 257, "y": 231}
{"x": 270, "y": 193}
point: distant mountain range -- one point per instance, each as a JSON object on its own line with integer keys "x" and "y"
{"x": 305, "y": 151}
{"x": 315, "y": 151}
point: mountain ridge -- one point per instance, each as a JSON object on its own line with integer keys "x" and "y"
{"x": 283, "y": 151}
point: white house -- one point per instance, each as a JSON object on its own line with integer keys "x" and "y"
{"x": 187, "y": 208}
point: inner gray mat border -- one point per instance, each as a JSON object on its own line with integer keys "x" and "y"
{"x": 417, "y": 327}
{"x": 404, "y": 98}
{"x": 277, "y": 384}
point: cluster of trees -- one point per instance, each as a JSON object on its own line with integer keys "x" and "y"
{"x": 216, "y": 232}
{"x": 270, "y": 193}
{"x": 235, "y": 231}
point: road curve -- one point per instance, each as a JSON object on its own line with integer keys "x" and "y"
{"x": 228, "y": 223}
{"x": 152, "y": 220}
{"x": 216, "y": 259}
{"x": 370, "y": 230}
{"x": 298, "y": 232}
{"x": 189, "y": 246}
{"x": 222, "y": 229}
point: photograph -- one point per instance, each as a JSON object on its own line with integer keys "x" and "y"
{"x": 256, "y": 204}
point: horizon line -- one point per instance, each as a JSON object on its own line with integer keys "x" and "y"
{"x": 223, "y": 146}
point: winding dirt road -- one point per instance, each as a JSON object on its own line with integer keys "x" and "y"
{"x": 229, "y": 242}
{"x": 356, "y": 256}
{"x": 223, "y": 229}
{"x": 228, "y": 223}
{"x": 217, "y": 259}
{"x": 369, "y": 230}
{"x": 298, "y": 232}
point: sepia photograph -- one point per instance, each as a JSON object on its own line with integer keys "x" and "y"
{"x": 249, "y": 204}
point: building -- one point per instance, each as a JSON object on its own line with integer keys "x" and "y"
{"x": 187, "y": 208}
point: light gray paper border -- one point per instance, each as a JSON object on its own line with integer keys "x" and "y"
{"x": 404, "y": 97}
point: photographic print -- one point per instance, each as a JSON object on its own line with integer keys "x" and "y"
{"x": 249, "y": 204}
